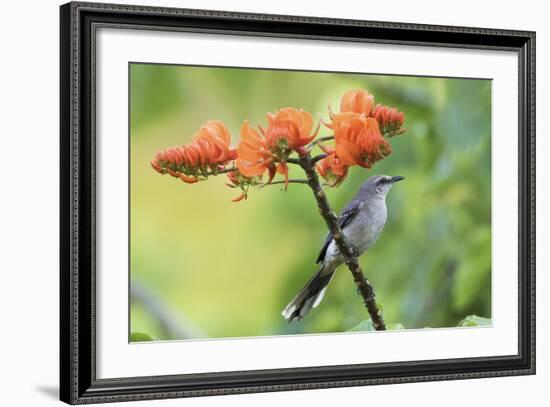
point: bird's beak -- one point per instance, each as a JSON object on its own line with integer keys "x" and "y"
{"x": 397, "y": 178}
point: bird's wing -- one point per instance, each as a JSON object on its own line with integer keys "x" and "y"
{"x": 344, "y": 219}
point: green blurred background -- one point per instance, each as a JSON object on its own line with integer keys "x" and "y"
{"x": 202, "y": 266}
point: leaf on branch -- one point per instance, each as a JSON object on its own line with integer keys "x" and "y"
{"x": 474, "y": 320}
{"x": 362, "y": 326}
{"x": 367, "y": 326}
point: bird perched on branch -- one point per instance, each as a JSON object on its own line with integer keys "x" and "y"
{"x": 361, "y": 221}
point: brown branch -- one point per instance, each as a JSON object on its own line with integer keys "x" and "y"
{"x": 349, "y": 253}
{"x": 291, "y": 160}
{"x": 222, "y": 171}
{"x": 318, "y": 141}
{"x": 290, "y": 181}
{"x": 317, "y": 158}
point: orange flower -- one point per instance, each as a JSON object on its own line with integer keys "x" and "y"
{"x": 288, "y": 129}
{"x": 216, "y": 139}
{"x": 255, "y": 158}
{"x": 208, "y": 152}
{"x": 359, "y": 141}
{"x": 390, "y": 119}
{"x": 357, "y": 101}
{"x": 331, "y": 168}
{"x": 342, "y": 118}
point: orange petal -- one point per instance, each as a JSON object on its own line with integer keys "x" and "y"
{"x": 292, "y": 131}
{"x": 219, "y": 130}
{"x": 204, "y": 150}
{"x": 272, "y": 171}
{"x": 358, "y": 101}
{"x": 270, "y": 118}
{"x": 346, "y": 101}
{"x": 248, "y": 153}
{"x": 302, "y": 120}
{"x": 322, "y": 168}
{"x": 239, "y": 198}
{"x": 282, "y": 168}
{"x": 342, "y": 118}
{"x": 251, "y": 136}
{"x": 222, "y": 146}
{"x": 348, "y": 153}
{"x": 193, "y": 155}
{"x": 372, "y": 125}
{"x": 262, "y": 130}
{"x": 251, "y": 170}
{"x": 156, "y": 166}
{"x": 188, "y": 180}
{"x": 306, "y": 124}
{"x": 303, "y": 141}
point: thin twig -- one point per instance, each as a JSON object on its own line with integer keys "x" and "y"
{"x": 290, "y": 181}
{"x": 318, "y": 158}
{"x": 318, "y": 141}
{"x": 222, "y": 171}
{"x": 291, "y": 160}
{"x": 349, "y": 253}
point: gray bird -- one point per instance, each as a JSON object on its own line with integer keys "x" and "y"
{"x": 361, "y": 221}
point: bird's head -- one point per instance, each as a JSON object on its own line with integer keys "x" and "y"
{"x": 379, "y": 185}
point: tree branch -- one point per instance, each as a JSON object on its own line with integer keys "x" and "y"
{"x": 290, "y": 181}
{"x": 349, "y": 253}
{"x": 318, "y": 141}
{"x": 291, "y": 160}
{"x": 222, "y": 171}
{"x": 318, "y": 158}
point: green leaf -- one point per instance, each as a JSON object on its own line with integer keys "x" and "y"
{"x": 367, "y": 326}
{"x": 474, "y": 320}
{"x": 140, "y": 337}
{"x": 395, "y": 327}
{"x": 362, "y": 326}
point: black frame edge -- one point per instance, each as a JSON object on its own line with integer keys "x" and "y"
{"x": 527, "y": 201}
{"x": 278, "y": 24}
{"x": 65, "y": 363}
{"x": 78, "y": 384}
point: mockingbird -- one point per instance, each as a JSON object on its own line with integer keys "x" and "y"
{"x": 361, "y": 221}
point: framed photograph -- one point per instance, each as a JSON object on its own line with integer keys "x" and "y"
{"x": 255, "y": 203}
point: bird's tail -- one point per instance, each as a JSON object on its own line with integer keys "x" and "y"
{"x": 309, "y": 297}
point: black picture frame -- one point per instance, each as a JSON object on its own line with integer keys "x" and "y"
{"x": 78, "y": 382}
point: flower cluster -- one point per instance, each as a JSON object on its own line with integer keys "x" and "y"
{"x": 268, "y": 149}
{"x": 207, "y": 154}
{"x": 389, "y": 119}
{"x": 360, "y": 131}
{"x": 331, "y": 168}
